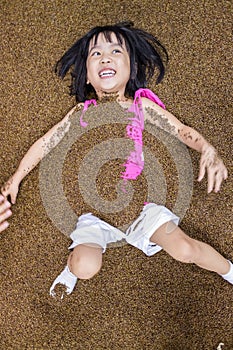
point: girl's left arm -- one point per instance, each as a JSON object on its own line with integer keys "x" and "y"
{"x": 210, "y": 161}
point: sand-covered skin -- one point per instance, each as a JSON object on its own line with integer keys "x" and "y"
{"x": 135, "y": 302}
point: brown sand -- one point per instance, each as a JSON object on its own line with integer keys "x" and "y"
{"x": 135, "y": 302}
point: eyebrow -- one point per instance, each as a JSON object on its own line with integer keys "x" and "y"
{"x": 99, "y": 47}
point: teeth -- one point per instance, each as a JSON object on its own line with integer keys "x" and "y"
{"x": 107, "y": 73}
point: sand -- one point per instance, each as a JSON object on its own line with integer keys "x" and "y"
{"x": 135, "y": 302}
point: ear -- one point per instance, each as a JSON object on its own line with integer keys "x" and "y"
{"x": 88, "y": 81}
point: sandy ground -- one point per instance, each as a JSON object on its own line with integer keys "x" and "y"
{"x": 135, "y": 302}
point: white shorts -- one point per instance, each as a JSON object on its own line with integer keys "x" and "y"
{"x": 92, "y": 230}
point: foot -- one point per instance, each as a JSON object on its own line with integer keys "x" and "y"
{"x": 67, "y": 281}
{"x": 229, "y": 276}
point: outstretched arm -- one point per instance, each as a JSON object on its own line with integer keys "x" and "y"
{"x": 34, "y": 155}
{"x": 210, "y": 161}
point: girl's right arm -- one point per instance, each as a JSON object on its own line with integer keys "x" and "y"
{"x": 35, "y": 154}
{"x": 210, "y": 162}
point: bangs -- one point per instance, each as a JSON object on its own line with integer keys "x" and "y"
{"x": 109, "y": 35}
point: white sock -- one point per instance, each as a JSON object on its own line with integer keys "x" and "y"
{"x": 229, "y": 275}
{"x": 66, "y": 278}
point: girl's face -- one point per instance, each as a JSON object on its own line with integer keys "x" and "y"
{"x": 108, "y": 66}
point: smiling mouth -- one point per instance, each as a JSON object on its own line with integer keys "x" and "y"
{"x": 107, "y": 73}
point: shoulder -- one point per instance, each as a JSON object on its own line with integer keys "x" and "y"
{"x": 146, "y": 102}
{"x": 151, "y": 107}
{"x": 66, "y": 121}
{"x": 73, "y": 110}
{"x": 78, "y": 107}
{"x": 160, "y": 117}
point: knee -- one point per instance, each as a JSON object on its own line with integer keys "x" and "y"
{"x": 187, "y": 250}
{"x": 82, "y": 267}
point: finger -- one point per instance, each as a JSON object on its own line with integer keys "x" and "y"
{"x": 211, "y": 181}
{"x": 4, "y": 225}
{"x": 4, "y": 192}
{"x": 13, "y": 198}
{"x": 218, "y": 181}
{"x": 225, "y": 174}
{"x": 7, "y": 196}
{"x": 4, "y": 206}
{"x": 5, "y": 215}
{"x": 2, "y": 198}
{"x": 201, "y": 172}
{"x": 10, "y": 195}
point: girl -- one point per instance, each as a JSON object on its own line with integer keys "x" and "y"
{"x": 119, "y": 60}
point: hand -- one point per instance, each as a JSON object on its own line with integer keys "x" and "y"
{"x": 10, "y": 188}
{"x": 5, "y": 213}
{"x": 211, "y": 163}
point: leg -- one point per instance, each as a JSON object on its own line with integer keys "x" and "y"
{"x": 183, "y": 248}
{"x": 157, "y": 228}
{"x": 85, "y": 261}
{"x": 90, "y": 239}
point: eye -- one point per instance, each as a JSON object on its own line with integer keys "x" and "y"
{"x": 116, "y": 51}
{"x": 95, "y": 53}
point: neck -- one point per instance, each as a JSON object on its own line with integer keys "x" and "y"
{"x": 111, "y": 96}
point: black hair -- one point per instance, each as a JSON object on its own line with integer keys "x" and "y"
{"x": 145, "y": 51}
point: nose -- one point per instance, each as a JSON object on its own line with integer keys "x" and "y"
{"x": 105, "y": 59}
